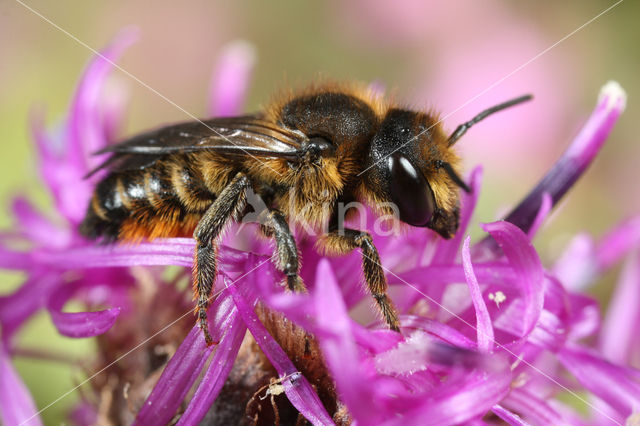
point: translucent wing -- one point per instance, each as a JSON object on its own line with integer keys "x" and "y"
{"x": 249, "y": 136}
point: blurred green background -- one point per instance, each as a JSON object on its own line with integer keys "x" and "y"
{"x": 432, "y": 55}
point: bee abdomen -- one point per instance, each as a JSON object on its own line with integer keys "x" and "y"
{"x": 106, "y": 210}
{"x": 160, "y": 201}
{"x": 188, "y": 185}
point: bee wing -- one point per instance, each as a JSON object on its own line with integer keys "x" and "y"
{"x": 246, "y": 135}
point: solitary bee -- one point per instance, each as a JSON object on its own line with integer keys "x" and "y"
{"x": 326, "y": 145}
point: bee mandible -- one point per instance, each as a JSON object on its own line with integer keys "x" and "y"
{"x": 319, "y": 147}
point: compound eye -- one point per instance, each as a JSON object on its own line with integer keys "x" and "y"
{"x": 410, "y": 191}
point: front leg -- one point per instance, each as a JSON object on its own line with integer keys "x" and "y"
{"x": 275, "y": 225}
{"x": 343, "y": 242}
{"x": 229, "y": 204}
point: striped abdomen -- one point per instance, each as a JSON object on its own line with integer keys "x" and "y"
{"x": 165, "y": 199}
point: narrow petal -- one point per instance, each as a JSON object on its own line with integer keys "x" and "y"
{"x": 186, "y": 364}
{"x": 623, "y": 316}
{"x": 459, "y": 401}
{"x": 36, "y": 227}
{"x": 18, "y": 307}
{"x": 487, "y": 272}
{"x": 14, "y": 260}
{"x": 617, "y": 243}
{"x": 341, "y": 354}
{"x": 584, "y": 260}
{"x": 231, "y": 79}
{"x": 617, "y": 386}
{"x": 63, "y": 170}
{"x": 297, "y": 387}
{"x": 574, "y": 162}
{"x": 577, "y": 267}
{"x": 78, "y": 324}
{"x": 16, "y": 404}
{"x": 483, "y": 320}
{"x": 526, "y": 264}
{"x": 216, "y": 374}
{"x": 174, "y": 251}
{"x": 533, "y": 408}
{"x": 175, "y": 381}
{"x": 112, "y": 110}
{"x": 584, "y": 317}
{"x": 509, "y": 417}
{"x": 84, "y": 324}
{"x": 438, "y": 329}
{"x": 545, "y": 208}
{"x": 85, "y": 132}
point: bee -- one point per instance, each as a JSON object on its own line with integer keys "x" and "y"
{"x": 306, "y": 153}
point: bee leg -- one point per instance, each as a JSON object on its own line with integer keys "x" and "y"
{"x": 228, "y": 204}
{"x": 344, "y": 241}
{"x": 275, "y": 225}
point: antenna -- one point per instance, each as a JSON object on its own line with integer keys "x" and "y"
{"x": 462, "y": 129}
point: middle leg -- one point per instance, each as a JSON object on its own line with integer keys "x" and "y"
{"x": 288, "y": 261}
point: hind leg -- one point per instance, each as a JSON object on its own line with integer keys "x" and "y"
{"x": 226, "y": 207}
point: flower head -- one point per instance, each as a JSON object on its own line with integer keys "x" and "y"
{"x": 487, "y": 330}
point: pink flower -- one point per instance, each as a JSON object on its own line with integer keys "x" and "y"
{"x": 486, "y": 329}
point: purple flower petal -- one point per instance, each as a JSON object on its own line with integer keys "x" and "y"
{"x": 184, "y": 367}
{"x": 231, "y": 79}
{"x": 526, "y": 264}
{"x": 16, "y": 308}
{"x": 340, "y": 352}
{"x": 509, "y": 417}
{"x": 64, "y": 166}
{"x": 533, "y": 408}
{"x": 375, "y": 341}
{"x": 442, "y": 331}
{"x": 113, "y": 106}
{"x": 545, "y": 208}
{"x": 216, "y": 374}
{"x": 623, "y": 316}
{"x": 85, "y": 130}
{"x": 16, "y": 404}
{"x": 13, "y": 260}
{"x": 175, "y": 381}
{"x": 35, "y": 227}
{"x": 78, "y": 324}
{"x": 583, "y": 261}
{"x": 173, "y": 251}
{"x": 577, "y": 266}
{"x": 617, "y": 386}
{"x": 617, "y": 243}
{"x": 297, "y": 387}
{"x": 584, "y": 319}
{"x": 483, "y": 320}
{"x": 84, "y": 324}
{"x": 575, "y": 160}
{"x": 458, "y": 401}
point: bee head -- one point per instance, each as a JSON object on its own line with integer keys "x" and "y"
{"x": 411, "y": 165}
